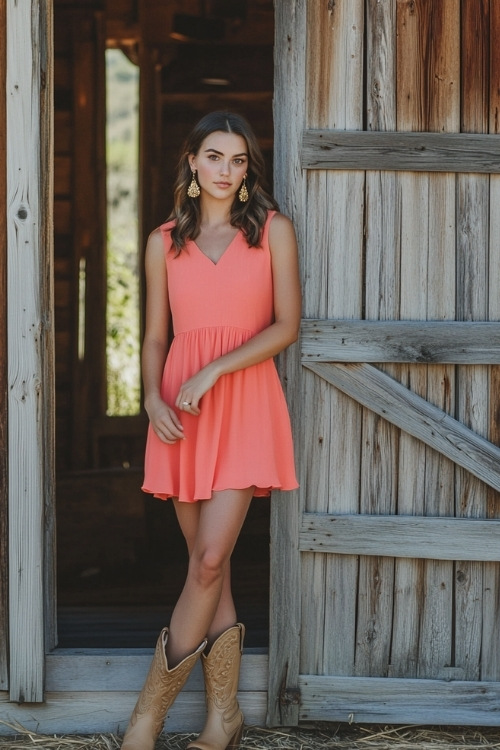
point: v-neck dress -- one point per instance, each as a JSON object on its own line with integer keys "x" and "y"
{"x": 242, "y": 436}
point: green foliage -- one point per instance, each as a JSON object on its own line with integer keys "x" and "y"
{"x": 123, "y": 326}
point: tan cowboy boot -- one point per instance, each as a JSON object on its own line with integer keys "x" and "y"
{"x": 221, "y": 669}
{"x": 159, "y": 692}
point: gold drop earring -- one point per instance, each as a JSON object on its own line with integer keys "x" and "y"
{"x": 193, "y": 190}
{"x": 243, "y": 193}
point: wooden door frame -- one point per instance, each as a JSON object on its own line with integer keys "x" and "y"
{"x": 91, "y": 682}
{"x": 286, "y": 511}
{"x": 30, "y": 346}
{"x": 4, "y": 623}
{"x": 83, "y": 690}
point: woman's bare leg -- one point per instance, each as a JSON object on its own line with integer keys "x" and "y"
{"x": 211, "y": 529}
{"x": 188, "y": 516}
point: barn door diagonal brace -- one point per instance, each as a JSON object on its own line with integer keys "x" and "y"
{"x": 394, "y": 402}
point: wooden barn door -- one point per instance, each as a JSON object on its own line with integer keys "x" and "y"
{"x": 386, "y": 562}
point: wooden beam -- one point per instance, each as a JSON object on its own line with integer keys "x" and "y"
{"x": 30, "y": 338}
{"x": 109, "y": 712}
{"x": 4, "y": 568}
{"x": 289, "y": 109}
{"x": 414, "y": 152}
{"x": 47, "y": 333}
{"x": 399, "y": 701}
{"x": 432, "y": 538}
{"x": 400, "y": 341}
{"x": 416, "y": 416}
{"x": 80, "y": 670}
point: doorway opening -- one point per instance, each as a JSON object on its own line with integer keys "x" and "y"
{"x": 121, "y": 558}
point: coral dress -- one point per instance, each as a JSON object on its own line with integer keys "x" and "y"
{"x": 242, "y": 436}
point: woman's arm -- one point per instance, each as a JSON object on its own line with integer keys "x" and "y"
{"x": 272, "y": 340}
{"x": 163, "y": 418}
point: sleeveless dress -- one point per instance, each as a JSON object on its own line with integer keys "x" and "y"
{"x": 242, "y": 436}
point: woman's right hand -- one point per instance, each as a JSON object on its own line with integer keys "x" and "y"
{"x": 164, "y": 421}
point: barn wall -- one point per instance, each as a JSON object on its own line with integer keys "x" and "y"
{"x": 383, "y": 241}
{"x": 431, "y": 263}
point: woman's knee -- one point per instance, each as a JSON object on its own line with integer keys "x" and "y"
{"x": 208, "y": 566}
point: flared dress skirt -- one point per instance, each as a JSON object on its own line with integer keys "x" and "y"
{"x": 242, "y": 437}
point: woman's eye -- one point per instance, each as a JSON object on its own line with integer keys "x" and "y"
{"x": 213, "y": 157}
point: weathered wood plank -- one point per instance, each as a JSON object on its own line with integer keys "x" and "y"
{"x": 399, "y": 701}
{"x": 416, "y": 416}
{"x": 29, "y": 259}
{"x": 4, "y": 497}
{"x": 490, "y": 645}
{"x": 442, "y": 76}
{"x": 47, "y": 332}
{"x": 472, "y": 408}
{"x": 400, "y": 341}
{"x": 333, "y": 285}
{"x": 415, "y": 152}
{"x": 378, "y": 490}
{"x": 436, "y": 618}
{"x": 433, "y": 538}
{"x": 412, "y": 42}
{"x": 111, "y": 669}
{"x": 92, "y": 712}
{"x": 289, "y": 189}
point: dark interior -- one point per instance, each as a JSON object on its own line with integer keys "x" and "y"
{"x": 121, "y": 558}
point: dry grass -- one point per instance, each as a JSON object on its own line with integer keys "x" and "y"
{"x": 305, "y": 737}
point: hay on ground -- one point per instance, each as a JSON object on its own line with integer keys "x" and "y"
{"x": 317, "y": 736}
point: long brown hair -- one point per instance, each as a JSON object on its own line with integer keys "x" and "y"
{"x": 251, "y": 216}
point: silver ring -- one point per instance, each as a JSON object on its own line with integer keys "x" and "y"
{"x": 186, "y": 403}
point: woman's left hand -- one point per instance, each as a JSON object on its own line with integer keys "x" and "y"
{"x": 192, "y": 391}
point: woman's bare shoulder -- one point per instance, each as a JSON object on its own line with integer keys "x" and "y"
{"x": 155, "y": 239}
{"x": 281, "y": 229}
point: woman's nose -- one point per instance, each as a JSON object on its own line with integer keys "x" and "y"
{"x": 224, "y": 167}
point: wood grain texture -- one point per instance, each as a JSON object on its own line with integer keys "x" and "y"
{"x": 412, "y": 96}
{"x": 4, "y": 498}
{"x": 472, "y": 279}
{"x": 443, "y": 75}
{"x": 111, "y": 669}
{"x": 28, "y": 329}
{"x": 399, "y": 701}
{"x": 490, "y": 659}
{"x": 47, "y": 333}
{"x": 415, "y": 152}
{"x": 400, "y": 341}
{"x": 416, "y": 416}
{"x": 109, "y": 712}
{"x": 333, "y": 285}
{"x": 378, "y": 487}
{"x": 289, "y": 121}
{"x": 433, "y": 538}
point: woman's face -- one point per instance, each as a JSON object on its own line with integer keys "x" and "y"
{"x": 221, "y": 164}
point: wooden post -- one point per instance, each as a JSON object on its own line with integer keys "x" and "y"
{"x": 285, "y": 604}
{"x": 30, "y": 335}
{"x": 4, "y": 621}
{"x": 490, "y": 652}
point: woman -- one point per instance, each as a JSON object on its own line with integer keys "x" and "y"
{"x": 224, "y": 268}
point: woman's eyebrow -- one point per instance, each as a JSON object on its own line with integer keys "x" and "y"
{"x": 219, "y": 153}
